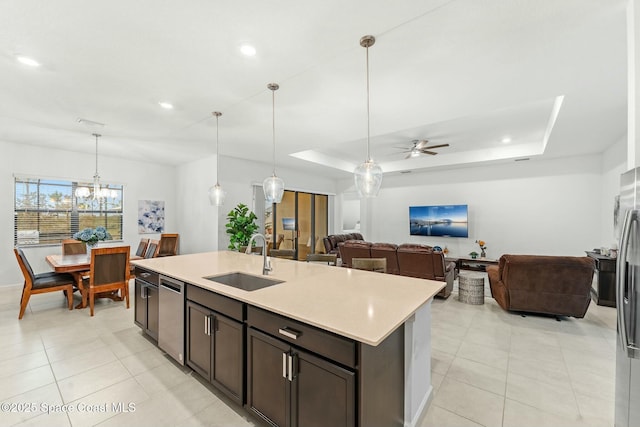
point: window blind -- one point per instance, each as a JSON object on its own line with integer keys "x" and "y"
{"x": 46, "y": 211}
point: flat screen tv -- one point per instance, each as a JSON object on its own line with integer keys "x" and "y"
{"x": 441, "y": 220}
{"x": 288, "y": 223}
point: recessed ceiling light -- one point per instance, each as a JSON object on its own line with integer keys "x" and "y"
{"x": 248, "y": 50}
{"x": 166, "y": 105}
{"x": 506, "y": 140}
{"x": 27, "y": 61}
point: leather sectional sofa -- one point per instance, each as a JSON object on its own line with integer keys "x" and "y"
{"x": 556, "y": 285}
{"x": 405, "y": 260}
{"x": 331, "y": 242}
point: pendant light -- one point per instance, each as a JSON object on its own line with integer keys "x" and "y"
{"x": 368, "y": 175}
{"x": 216, "y": 193}
{"x": 273, "y": 186}
{"x": 98, "y": 193}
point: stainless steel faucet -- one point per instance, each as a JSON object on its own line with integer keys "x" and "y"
{"x": 266, "y": 263}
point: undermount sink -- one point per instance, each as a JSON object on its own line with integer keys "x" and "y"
{"x": 244, "y": 281}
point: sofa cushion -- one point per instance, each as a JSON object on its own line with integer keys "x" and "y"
{"x": 387, "y": 251}
{"x": 353, "y": 249}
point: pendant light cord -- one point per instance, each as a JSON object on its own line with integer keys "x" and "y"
{"x": 273, "y": 122}
{"x": 368, "y": 113}
{"x": 217, "y": 149}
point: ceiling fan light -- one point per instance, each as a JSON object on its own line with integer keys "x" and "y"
{"x": 415, "y": 153}
{"x": 217, "y": 195}
{"x": 368, "y": 178}
{"x": 273, "y": 188}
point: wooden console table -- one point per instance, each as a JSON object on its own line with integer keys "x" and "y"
{"x": 603, "y": 288}
{"x": 473, "y": 264}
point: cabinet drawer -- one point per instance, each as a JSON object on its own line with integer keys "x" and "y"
{"x": 147, "y": 275}
{"x": 606, "y": 265}
{"x": 224, "y": 305}
{"x": 327, "y": 344}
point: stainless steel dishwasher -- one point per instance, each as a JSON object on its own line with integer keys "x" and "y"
{"x": 171, "y": 318}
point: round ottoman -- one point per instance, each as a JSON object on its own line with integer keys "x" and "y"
{"x": 470, "y": 288}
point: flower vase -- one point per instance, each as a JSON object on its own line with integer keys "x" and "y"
{"x": 90, "y": 245}
{"x": 483, "y": 254}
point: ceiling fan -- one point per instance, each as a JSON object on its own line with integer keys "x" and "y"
{"x": 421, "y": 146}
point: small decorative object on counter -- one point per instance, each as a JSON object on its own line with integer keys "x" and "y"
{"x": 473, "y": 254}
{"x": 445, "y": 251}
{"x": 437, "y": 249}
{"x": 483, "y": 247}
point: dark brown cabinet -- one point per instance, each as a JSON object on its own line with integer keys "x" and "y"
{"x": 289, "y": 387}
{"x": 215, "y": 345}
{"x": 603, "y": 288}
{"x": 146, "y": 302}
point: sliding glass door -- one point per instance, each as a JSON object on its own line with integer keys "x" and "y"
{"x": 300, "y": 222}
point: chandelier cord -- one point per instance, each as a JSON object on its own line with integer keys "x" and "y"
{"x": 96, "y": 135}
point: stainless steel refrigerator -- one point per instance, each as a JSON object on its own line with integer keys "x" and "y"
{"x": 627, "y": 289}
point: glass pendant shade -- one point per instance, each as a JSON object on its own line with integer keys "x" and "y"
{"x": 273, "y": 188}
{"x": 217, "y": 195}
{"x": 368, "y": 178}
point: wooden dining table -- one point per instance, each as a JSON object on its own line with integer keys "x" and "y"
{"x": 78, "y": 266}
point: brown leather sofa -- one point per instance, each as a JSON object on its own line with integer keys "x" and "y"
{"x": 405, "y": 260}
{"x": 331, "y": 242}
{"x": 556, "y": 285}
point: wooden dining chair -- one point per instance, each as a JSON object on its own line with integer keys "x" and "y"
{"x": 73, "y": 247}
{"x": 109, "y": 273}
{"x": 168, "y": 244}
{"x": 152, "y": 249}
{"x": 41, "y": 283}
{"x": 378, "y": 265}
{"x": 141, "y": 252}
{"x": 142, "y": 247}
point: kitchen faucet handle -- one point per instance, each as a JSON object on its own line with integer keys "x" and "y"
{"x": 267, "y": 264}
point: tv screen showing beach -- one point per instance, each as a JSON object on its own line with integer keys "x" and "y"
{"x": 442, "y": 221}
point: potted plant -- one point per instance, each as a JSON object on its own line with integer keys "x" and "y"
{"x": 241, "y": 225}
{"x": 91, "y": 236}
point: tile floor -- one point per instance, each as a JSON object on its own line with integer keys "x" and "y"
{"x": 490, "y": 368}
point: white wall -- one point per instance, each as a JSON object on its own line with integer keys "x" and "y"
{"x": 237, "y": 176}
{"x": 141, "y": 180}
{"x": 547, "y": 207}
{"x": 197, "y": 218}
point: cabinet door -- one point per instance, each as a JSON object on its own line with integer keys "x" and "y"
{"x": 268, "y": 390}
{"x": 152, "y": 311}
{"x": 228, "y": 361}
{"x": 140, "y": 302}
{"x": 323, "y": 393}
{"x": 198, "y": 339}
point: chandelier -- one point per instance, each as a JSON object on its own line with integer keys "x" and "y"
{"x": 97, "y": 192}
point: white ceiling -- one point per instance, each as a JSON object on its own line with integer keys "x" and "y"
{"x": 550, "y": 74}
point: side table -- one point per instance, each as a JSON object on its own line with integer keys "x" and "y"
{"x": 470, "y": 288}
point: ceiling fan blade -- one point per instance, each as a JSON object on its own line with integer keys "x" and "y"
{"x": 435, "y": 146}
{"x": 408, "y": 156}
{"x": 433, "y": 153}
{"x": 421, "y": 144}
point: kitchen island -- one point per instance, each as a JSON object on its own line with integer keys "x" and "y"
{"x": 357, "y": 337}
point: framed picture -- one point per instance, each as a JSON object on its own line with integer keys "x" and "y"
{"x": 150, "y": 216}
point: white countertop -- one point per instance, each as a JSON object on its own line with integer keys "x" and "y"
{"x": 361, "y": 305}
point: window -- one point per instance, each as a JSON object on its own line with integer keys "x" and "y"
{"x": 47, "y": 211}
